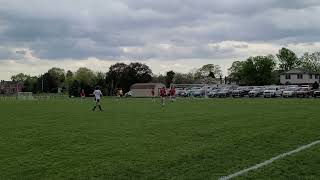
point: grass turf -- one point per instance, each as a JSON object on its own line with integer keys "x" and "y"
{"x": 137, "y": 139}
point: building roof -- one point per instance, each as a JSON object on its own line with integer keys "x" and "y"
{"x": 10, "y": 82}
{"x": 299, "y": 71}
{"x": 145, "y": 85}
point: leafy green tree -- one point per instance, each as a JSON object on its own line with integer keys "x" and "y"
{"x": 181, "y": 78}
{"x": 20, "y": 77}
{"x": 254, "y": 71}
{"x": 69, "y": 79}
{"x": 208, "y": 73}
{"x": 47, "y": 84}
{"x": 310, "y": 62}
{"x": 121, "y": 75}
{"x": 235, "y": 71}
{"x": 116, "y": 76}
{"x": 30, "y": 84}
{"x": 136, "y": 73}
{"x": 86, "y": 78}
{"x": 210, "y": 70}
{"x": 101, "y": 82}
{"x": 265, "y": 66}
{"x": 288, "y": 59}
{"x": 248, "y": 72}
{"x": 75, "y": 88}
{"x": 169, "y": 78}
{"x": 57, "y": 74}
{"x": 159, "y": 79}
{"x": 55, "y": 79}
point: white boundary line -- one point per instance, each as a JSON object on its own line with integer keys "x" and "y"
{"x": 267, "y": 162}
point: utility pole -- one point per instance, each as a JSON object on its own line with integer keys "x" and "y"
{"x": 42, "y": 82}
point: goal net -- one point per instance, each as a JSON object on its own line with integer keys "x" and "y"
{"x": 25, "y": 96}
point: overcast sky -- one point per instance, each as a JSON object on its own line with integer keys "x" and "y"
{"x": 177, "y": 35}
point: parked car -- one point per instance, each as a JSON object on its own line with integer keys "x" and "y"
{"x": 226, "y": 92}
{"x": 303, "y": 92}
{"x": 256, "y": 92}
{"x": 179, "y": 91}
{"x": 213, "y": 93}
{"x": 241, "y": 91}
{"x": 316, "y": 93}
{"x": 182, "y": 93}
{"x": 191, "y": 91}
{"x": 271, "y": 92}
{"x": 197, "y": 91}
{"x": 128, "y": 94}
{"x": 290, "y": 92}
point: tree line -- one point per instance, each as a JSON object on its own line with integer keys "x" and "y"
{"x": 257, "y": 70}
{"x": 56, "y": 80}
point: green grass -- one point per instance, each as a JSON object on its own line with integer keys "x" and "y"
{"x": 137, "y": 139}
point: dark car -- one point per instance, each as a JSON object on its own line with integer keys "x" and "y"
{"x": 226, "y": 92}
{"x": 303, "y": 92}
{"x": 241, "y": 91}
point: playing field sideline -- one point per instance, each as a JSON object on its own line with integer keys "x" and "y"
{"x": 137, "y": 139}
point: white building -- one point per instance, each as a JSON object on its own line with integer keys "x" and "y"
{"x": 298, "y": 77}
{"x": 144, "y": 89}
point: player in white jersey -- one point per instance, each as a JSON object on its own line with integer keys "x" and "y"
{"x": 97, "y": 97}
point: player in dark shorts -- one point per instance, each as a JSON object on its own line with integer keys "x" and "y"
{"x": 163, "y": 95}
{"x": 97, "y": 97}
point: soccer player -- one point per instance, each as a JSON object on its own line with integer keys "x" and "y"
{"x": 163, "y": 94}
{"x": 82, "y": 95}
{"x": 172, "y": 93}
{"x": 97, "y": 97}
{"x": 153, "y": 95}
{"x": 120, "y": 92}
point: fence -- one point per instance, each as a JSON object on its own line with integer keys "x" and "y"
{"x": 46, "y": 96}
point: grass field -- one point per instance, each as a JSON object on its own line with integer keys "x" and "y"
{"x": 137, "y": 139}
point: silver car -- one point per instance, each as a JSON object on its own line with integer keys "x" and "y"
{"x": 256, "y": 92}
{"x": 290, "y": 92}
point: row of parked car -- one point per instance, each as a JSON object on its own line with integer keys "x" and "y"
{"x": 249, "y": 91}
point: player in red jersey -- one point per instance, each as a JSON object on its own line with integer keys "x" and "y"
{"x": 153, "y": 95}
{"x": 172, "y": 93}
{"x": 163, "y": 95}
{"x": 82, "y": 95}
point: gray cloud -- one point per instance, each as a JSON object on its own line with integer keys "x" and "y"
{"x": 104, "y": 28}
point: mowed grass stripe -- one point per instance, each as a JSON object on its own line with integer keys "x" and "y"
{"x": 303, "y": 165}
{"x": 135, "y": 139}
{"x": 270, "y": 161}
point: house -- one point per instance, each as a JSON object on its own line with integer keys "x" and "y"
{"x": 298, "y": 77}
{"x": 144, "y": 89}
{"x": 10, "y": 87}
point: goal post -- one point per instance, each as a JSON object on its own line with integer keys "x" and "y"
{"x": 25, "y": 96}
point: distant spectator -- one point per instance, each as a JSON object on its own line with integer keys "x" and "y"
{"x": 315, "y": 85}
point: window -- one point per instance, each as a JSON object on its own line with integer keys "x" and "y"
{"x": 310, "y": 76}
{"x": 288, "y": 76}
{"x": 300, "y": 76}
{"x": 317, "y": 76}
